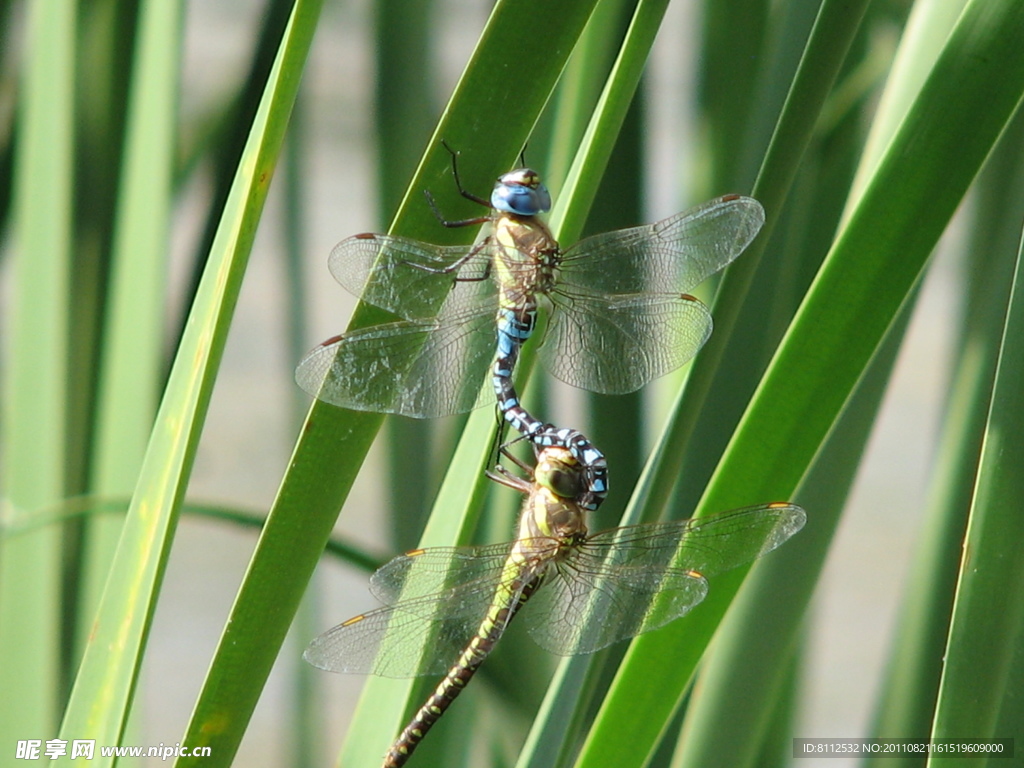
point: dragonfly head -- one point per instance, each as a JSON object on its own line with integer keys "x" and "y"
{"x": 520, "y": 193}
{"x": 559, "y": 471}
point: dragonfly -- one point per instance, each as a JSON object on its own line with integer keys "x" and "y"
{"x": 445, "y": 608}
{"x": 620, "y": 311}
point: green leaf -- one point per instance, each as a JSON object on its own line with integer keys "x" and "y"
{"x": 907, "y": 703}
{"x": 983, "y": 673}
{"x": 132, "y": 363}
{"x": 875, "y": 261}
{"x": 487, "y": 121}
{"x": 106, "y": 679}
{"x": 34, "y": 393}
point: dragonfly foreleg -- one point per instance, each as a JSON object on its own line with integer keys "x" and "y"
{"x": 503, "y": 475}
{"x": 459, "y": 263}
{"x": 453, "y": 224}
{"x": 462, "y": 191}
{"x": 458, "y": 182}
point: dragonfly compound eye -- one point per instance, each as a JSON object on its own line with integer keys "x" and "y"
{"x": 521, "y": 193}
{"x": 564, "y": 483}
{"x": 568, "y": 485}
{"x": 558, "y": 471}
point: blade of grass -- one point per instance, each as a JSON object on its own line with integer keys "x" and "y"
{"x": 980, "y": 677}
{"x": 618, "y": 423}
{"x": 305, "y": 736}
{"x": 906, "y": 706}
{"x": 791, "y": 137}
{"x": 734, "y": 33}
{"x": 709, "y": 407}
{"x": 551, "y": 734}
{"x": 106, "y": 32}
{"x": 488, "y": 119}
{"x": 132, "y": 365}
{"x": 583, "y": 181}
{"x": 727, "y": 716}
{"x": 790, "y": 30}
{"x": 34, "y": 413}
{"x": 927, "y": 27}
{"x": 876, "y": 260}
{"x": 747, "y": 665}
{"x": 403, "y": 110}
{"x": 106, "y": 680}
{"x": 89, "y": 506}
{"x": 569, "y": 114}
{"x": 223, "y": 138}
{"x": 404, "y": 113}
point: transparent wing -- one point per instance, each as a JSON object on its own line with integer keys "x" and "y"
{"x": 587, "y": 607}
{"x": 437, "y": 571}
{"x": 716, "y": 543}
{"x": 673, "y": 255}
{"x": 626, "y": 581}
{"x": 419, "y": 368}
{"x": 416, "y": 637}
{"x": 445, "y": 594}
{"x": 408, "y": 277}
{"x": 617, "y": 345}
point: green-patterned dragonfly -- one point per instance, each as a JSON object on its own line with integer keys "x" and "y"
{"x": 446, "y": 607}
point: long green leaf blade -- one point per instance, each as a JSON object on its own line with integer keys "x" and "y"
{"x": 103, "y": 689}
{"x": 970, "y": 95}
{"x": 132, "y": 362}
{"x": 487, "y": 120}
{"x": 981, "y": 678}
{"x": 34, "y": 390}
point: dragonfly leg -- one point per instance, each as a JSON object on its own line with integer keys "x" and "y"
{"x": 453, "y": 224}
{"x": 462, "y": 191}
{"x": 456, "y": 265}
{"x": 503, "y": 475}
{"x": 458, "y": 182}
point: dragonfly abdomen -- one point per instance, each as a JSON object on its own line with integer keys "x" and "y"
{"x": 515, "y": 325}
{"x": 491, "y": 630}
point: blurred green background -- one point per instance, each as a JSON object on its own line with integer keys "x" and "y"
{"x": 137, "y": 143}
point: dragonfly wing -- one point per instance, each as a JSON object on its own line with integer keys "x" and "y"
{"x": 720, "y": 542}
{"x": 408, "y": 277}
{"x": 708, "y": 545}
{"x": 616, "y": 345}
{"x": 626, "y": 581}
{"x": 437, "y": 571}
{"x": 419, "y": 368}
{"x": 410, "y": 638}
{"x": 440, "y": 597}
{"x": 590, "y": 605}
{"x": 673, "y": 255}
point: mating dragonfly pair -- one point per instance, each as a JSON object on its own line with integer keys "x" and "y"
{"x": 620, "y": 315}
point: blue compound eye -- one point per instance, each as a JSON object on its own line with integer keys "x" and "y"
{"x": 521, "y": 193}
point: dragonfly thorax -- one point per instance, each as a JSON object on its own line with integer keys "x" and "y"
{"x": 520, "y": 192}
{"x": 525, "y": 257}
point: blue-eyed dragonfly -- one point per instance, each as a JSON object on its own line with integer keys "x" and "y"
{"x": 620, "y": 312}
